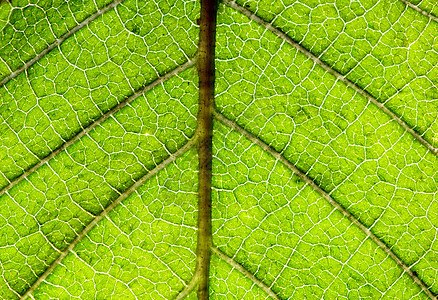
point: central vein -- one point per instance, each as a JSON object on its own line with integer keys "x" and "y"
{"x": 207, "y": 37}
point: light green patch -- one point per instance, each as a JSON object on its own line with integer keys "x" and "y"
{"x": 350, "y": 148}
{"x": 63, "y": 196}
{"x": 145, "y": 249}
{"x": 28, "y": 29}
{"x": 284, "y": 233}
{"x": 379, "y": 45}
{"x": 86, "y": 76}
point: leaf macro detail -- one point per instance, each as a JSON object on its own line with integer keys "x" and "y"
{"x": 244, "y": 149}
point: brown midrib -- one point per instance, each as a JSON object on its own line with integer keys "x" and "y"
{"x": 205, "y": 131}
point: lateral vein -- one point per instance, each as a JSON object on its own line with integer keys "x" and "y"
{"x": 189, "y": 287}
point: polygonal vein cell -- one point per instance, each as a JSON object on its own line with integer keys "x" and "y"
{"x": 258, "y": 288}
{"x": 56, "y": 202}
{"x": 347, "y": 146}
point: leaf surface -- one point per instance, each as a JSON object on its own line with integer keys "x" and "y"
{"x": 324, "y": 152}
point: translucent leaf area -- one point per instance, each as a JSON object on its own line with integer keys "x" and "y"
{"x": 145, "y": 249}
{"x": 87, "y": 75}
{"x": 279, "y": 229}
{"x": 385, "y": 47}
{"x": 43, "y": 214}
{"x": 347, "y": 146}
{"x": 324, "y": 155}
{"x": 28, "y": 29}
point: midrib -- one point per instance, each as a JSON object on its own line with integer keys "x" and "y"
{"x": 206, "y": 69}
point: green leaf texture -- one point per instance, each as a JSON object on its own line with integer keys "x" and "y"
{"x": 325, "y": 150}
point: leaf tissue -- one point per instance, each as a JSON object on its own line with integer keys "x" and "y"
{"x": 240, "y": 149}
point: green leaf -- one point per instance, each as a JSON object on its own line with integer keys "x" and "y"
{"x": 324, "y": 150}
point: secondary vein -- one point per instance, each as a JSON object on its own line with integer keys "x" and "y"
{"x": 207, "y": 37}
